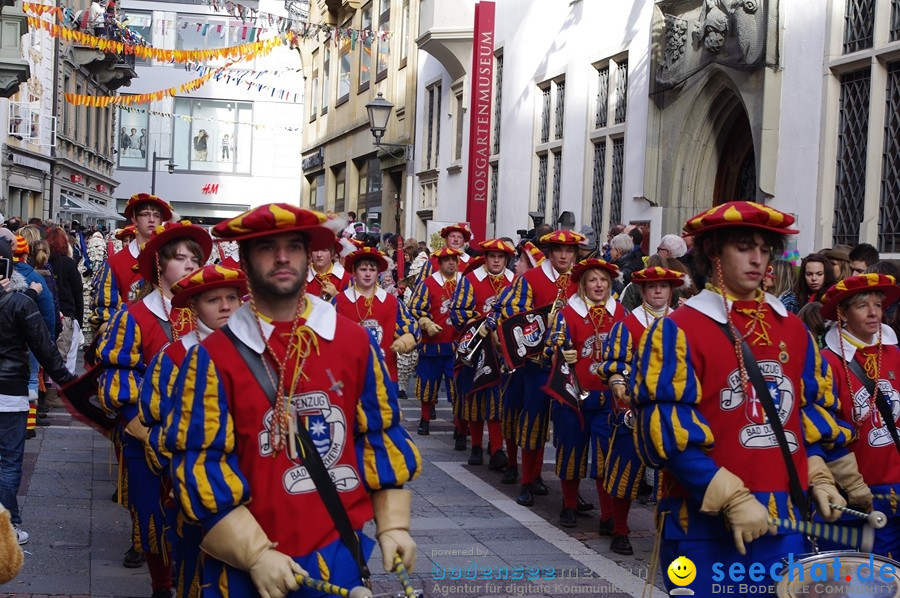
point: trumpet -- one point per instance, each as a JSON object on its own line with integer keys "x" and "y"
{"x": 467, "y": 350}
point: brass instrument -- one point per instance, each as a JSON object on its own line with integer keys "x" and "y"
{"x": 467, "y": 350}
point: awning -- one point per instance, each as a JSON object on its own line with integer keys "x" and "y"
{"x": 107, "y": 212}
{"x": 75, "y": 205}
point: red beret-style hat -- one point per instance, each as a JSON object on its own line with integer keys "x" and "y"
{"x": 590, "y": 264}
{"x": 365, "y": 253}
{"x": 534, "y": 255}
{"x": 128, "y": 231}
{"x": 853, "y": 285}
{"x": 563, "y": 237}
{"x": 277, "y": 218}
{"x": 446, "y": 251}
{"x": 141, "y": 198}
{"x": 657, "y": 274}
{"x": 741, "y": 213}
{"x": 497, "y": 245}
{"x": 460, "y": 227}
{"x": 205, "y": 279}
{"x": 170, "y": 231}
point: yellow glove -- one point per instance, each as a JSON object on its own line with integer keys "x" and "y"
{"x": 570, "y": 355}
{"x": 404, "y": 344}
{"x": 846, "y": 473}
{"x": 329, "y": 289}
{"x": 238, "y": 540}
{"x": 484, "y": 331}
{"x": 392, "y": 508}
{"x": 749, "y": 519}
{"x": 619, "y": 390}
{"x": 137, "y": 429}
{"x": 428, "y": 325}
{"x": 823, "y": 490}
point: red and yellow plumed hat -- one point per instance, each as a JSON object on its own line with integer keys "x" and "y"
{"x": 562, "y": 237}
{"x": 474, "y": 264}
{"x": 657, "y": 274}
{"x": 741, "y": 213}
{"x": 853, "y": 285}
{"x": 590, "y": 264}
{"x": 365, "y": 253}
{"x": 446, "y": 251}
{"x": 141, "y": 198}
{"x": 128, "y": 231}
{"x": 534, "y": 255}
{"x": 20, "y": 250}
{"x": 274, "y": 219}
{"x": 497, "y": 245}
{"x": 205, "y": 279}
{"x": 459, "y": 227}
{"x": 164, "y": 233}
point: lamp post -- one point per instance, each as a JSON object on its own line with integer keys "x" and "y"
{"x": 170, "y": 166}
{"x": 379, "y": 111}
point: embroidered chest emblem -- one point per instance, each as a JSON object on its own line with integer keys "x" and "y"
{"x": 757, "y": 433}
{"x": 878, "y": 435}
{"x": 327, "y": 426}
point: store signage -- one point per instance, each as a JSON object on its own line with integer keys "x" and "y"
{"x": 482, "y": 78}
{"x": 210, "y": 188}
{"x": 317, "y": 160}
{"x": 101, "y": 188}
{"x": 76, "y": 178}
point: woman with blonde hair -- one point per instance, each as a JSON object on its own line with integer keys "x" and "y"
{"x": 782, "y": 287}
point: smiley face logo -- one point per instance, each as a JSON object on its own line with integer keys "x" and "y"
{"x": 682, "y": 571}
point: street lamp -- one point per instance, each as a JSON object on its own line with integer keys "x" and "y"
{"x": 379, "y": 111}
{"x": 170, "y": 167}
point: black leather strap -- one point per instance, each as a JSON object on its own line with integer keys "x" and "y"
{"x": 798, "y": 496}
{"x": 310, "y": 457}
{"x": 880, "y": 402}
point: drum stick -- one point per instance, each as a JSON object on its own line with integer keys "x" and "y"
{"x": 847, "y": 536}
{"x": 403, "y": 576}
{"x": 876, "y": 518}
{"x": 884, "y": 497}
{"x": 327, "y": 588}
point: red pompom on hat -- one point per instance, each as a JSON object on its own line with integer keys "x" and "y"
{"x": 446, "y": 252}
{"x": 205, "y": 279}
{"x": 853, "y": 285}
{"x": 590, "y": 264}
{"x": 497, "y": 245}
{"x": 141, "y": 198}
{"x": 741, "y": 213}
{"x": 657, "y": 274}
{"x": 460, "y": 227}
{"x": 170, "y": 231}
{"x": 563, "y": 237}
{"x": 274, "y": 219}
{"x": 366, "y": 253}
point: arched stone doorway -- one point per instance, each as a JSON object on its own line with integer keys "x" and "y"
{"x": 736, "y": 175}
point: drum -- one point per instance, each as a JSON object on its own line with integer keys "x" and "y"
{"x": 858, "y": 574}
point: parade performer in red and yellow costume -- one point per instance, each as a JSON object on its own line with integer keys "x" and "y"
{"x": 477, "y": 297}
{"x": 699, "y": 418}
{"x": 578, "y": 332}
{"x": 326, "y": 277}
{"x": 212, "y": 294}
{"x": 623, "y": 468}
{"x": 550, "y": 283}
{"x": 117, "y": 282}
{"x": 430, "y": 306}
{"x": 870, "y": 473}
{"x": 387, "y": 320}
{"x": 135, "y": 335}
{"x": 322, "y": 389}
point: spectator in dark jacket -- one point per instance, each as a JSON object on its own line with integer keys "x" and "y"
{"x": 44, "y": 303}
{"x": 22, "y": 329}
{"x": 69, "y": 285}
{"x": 621, "y": 252}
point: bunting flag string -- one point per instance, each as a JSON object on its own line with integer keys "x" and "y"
{"x": 239, "y": 72}
{"x": 252, "y": 83}
{"x": 239, "y": 52}
{"x": 189, "y": 118}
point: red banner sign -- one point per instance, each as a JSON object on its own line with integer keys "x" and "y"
{"x": 482, "y": 79}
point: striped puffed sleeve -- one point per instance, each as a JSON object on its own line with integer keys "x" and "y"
{"x": 463, "y": 307}
{"x": 618, "y": 352}
{"x": 386, "y": 454}
{"x": 200, "y": 437}
{"x": 419, "y": 303}
{"x": 823, "y": 428}
{"x": 153, "y": 405}
{"x": 670, "y": 432}
{"x": 105, "y": 297}
{"x": 516, "y": 299}
{"x": 121, "y": 358}
{"x": 406, "y": 324}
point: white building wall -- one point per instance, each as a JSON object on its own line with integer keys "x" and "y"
{"x": 275, "y": 173}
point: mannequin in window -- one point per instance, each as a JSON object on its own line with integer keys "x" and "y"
{"x": 226, "y": 147}
{"x": 200, "y": 146}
